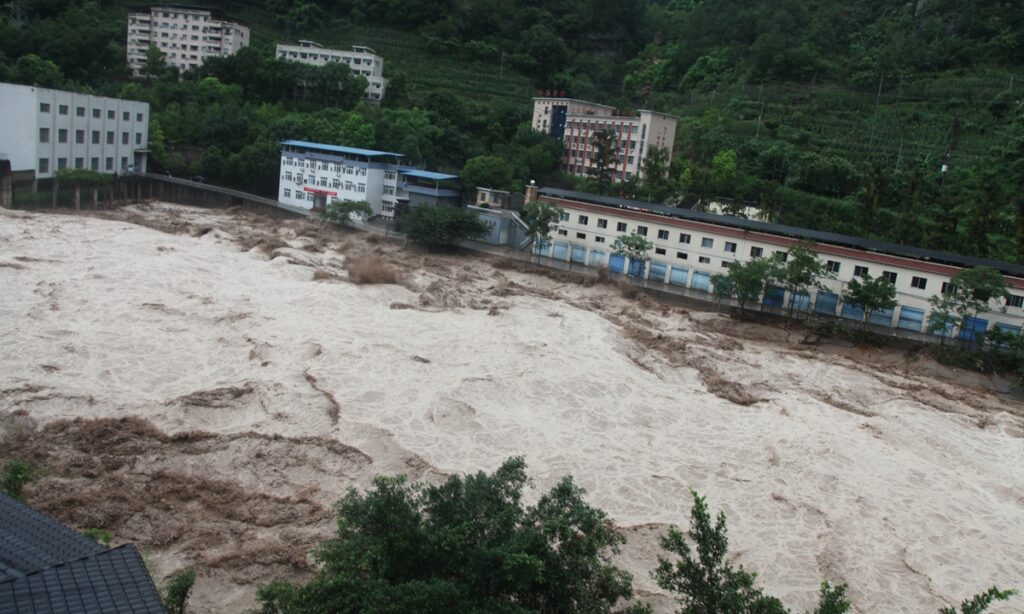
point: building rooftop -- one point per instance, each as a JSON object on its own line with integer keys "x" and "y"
{"x": 47, "y": 567}
{"x": 596, "y": 104}
{"x": 342, "y": 149}
{"x": 906, "y": 251}
{"x": 431, "y": 175}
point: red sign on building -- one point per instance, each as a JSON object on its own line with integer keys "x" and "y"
{"x": 323, "y": 192}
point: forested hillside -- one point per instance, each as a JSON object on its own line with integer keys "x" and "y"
{"x": 899, "y": 120}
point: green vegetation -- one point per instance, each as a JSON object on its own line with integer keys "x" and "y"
{"x": 442, "y": 226}
{"x": 466, "y": 545}
{"x": 175, "y": 594}
{"x": 341, "y": 211}
{"x": 746, "y": 280}
{"x": 870, "y": 294}
{"x": 98, "y": 535}
{"x": 16, "y": 474}
{"x": 541, "y": 218}
{"x": 635, "y": 248}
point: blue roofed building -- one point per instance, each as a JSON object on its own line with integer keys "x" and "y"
{"x": 47, "y": 567}
{"x": 314, "y": 174}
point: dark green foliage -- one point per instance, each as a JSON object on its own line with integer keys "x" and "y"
{"x": 443, "y": 226}
{"x": 98, "y": 535}
{"x": 16, "y": 474}
{"x": 746, "y": 280}
{"x": 341, "y": 211}
{"x": 486, "y": 172}
{"x": 176, "y": 592}
{"x": 634, "y": 247}
{"x": 870, "y": 294}
{"x": 467, "y": 545}
{"x": 979, "y": 603}
{"x": 832, "y": 600}
{"x": 541, "y": 218}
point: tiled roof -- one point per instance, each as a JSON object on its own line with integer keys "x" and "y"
{"x": 46, "y": 567}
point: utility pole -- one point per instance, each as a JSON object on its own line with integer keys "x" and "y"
{"x": 760, "y": 114}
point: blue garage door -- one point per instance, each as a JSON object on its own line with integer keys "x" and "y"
{"x": 882, "y": 317}
{"x": 636, "y": 268}
{"x": 853, "y": 312}
{"x": 542, "y": 247}
{"x": 801, "y": 301}
{"x": 973, "y": 327}
{"x": 701, "y": 281}
{"x": 617, "y": 263}
{"x": 825, "y": 302}
{"x": 657, "y": 272}
{"x": 597, "y": 258}
{"x": 561, "y": 251}
{"x": 774, "y": 296}
{"x": 678, "y": 277}
{"x": 911, "y": 319}
{"x": 579, "y": 254}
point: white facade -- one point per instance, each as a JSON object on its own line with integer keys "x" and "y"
{"x": 577, "y": 121}
{"x": 688, "y": 252}
{"x": 315, "y": 174}
{"x": 48, "y": 130}
{"x": 186, "y": 36}
{"x": 361, "y": 60}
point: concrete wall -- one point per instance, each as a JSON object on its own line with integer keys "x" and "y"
{"x": 19, "y": 128}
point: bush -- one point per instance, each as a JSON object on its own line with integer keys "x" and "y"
{"x": 177, "y": 590}
{"x": 443, "y": 226}
{"x": 16, "y": 474}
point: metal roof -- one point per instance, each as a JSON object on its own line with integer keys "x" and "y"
{"x": 432, "y": 175}
{"x": 893, "y": 249}
{"x": 47, "y": 567}
{"x": 342, "y": 149}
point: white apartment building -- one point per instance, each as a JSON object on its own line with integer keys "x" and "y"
{"x": 691, "y": 246}
{"x": 363, "y": 61}
{"x": 186, "y": 36}
{"x": 315, "y": 174}
{"x": 46, "y": 130}
{"x": 576, "y": 122}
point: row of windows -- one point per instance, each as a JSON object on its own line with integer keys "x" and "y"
{"x": 62, "y": 136}
{"x": 333, "y": 168}
{"x": 94, "y": 164}
{"x": 63, "y": 109}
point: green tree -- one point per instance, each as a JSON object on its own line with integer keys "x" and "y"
{"x": 979, "y": 603}
{"x": 486, "y": 172}
{"x": 341, "y": 211}
{"x": 154, "y": 65}
{"x": 466, "y": 545}
{"x": 605, "y": 153}
{"x": 655, "y": 181}
{"x": 871, "y": 294}
{"x": 635, "y": 248}
{"x": 801, "y": 271}
{"x": 832, "y": 600}
{"x": 16, "y": 474}
{"x": 177, "y": 590}
{"x": 84, "y": 178}
{"x": 723, "y": 172}
{"x": 745, "y": 281}
{"x": 541, "y": 218}
{"x": 443, "y": 226}
{"x": 969, "y": 292}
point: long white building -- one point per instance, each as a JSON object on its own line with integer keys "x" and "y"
{"x": 46, "y": 130}
{"x": 691, "y": 246}
{"x": 576, "y": 122}
{"x": 315, "y": 174}
{"x": 363, "y": 62}
{"x": 186, "y": 36}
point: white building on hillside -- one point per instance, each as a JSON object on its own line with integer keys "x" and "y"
{"x": 46, "y": 130}
{"x": 361, "y": 60}
{"x": 186, "y": 36}
{"x": 576, "y": 122}
{"x": 315, "y": 174}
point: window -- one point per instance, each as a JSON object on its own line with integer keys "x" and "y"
{"x": 599, "y": 239}
{"x": 138, "y": 117}
{"x": 95, "y": 137}
{"x": 726, "y": 264}
{"x": 583, "y": 220}
{"x": 832, "y": 266}
{"x": 124, "y": 162}
{"x": 124, "y": 138}
{"x": 96, "y": 113}
{"x": 581, "y": 235}
{"x": 663, "y": 234}
{"x": 781, "y": 256}
{"x": 756, "y": 252}
{"x": 94, "y": 164}
{"x": 620, "y": 226}
{"x": 890, "y": 276}
{"x": 641, "y": 230}
{"x": 62, "y": 163}
{"x": 62, "y": 135}
{"x": 602, "y": 223}
{"x": 860, "y": 271}
{"x": 44, "y": 107}
{"x": 563, "y": 217}
{"x": 138, "y": 138}
{"x": 110, "y": 163}
{"x": 563, "y": 232}
{"x": 80, "y": 111}
{"x": 44, "y": 165}
{"x": 110, "y": 137}
{"x": 110, "y": 115}
{"x": 44, "y": 135}
{"x": 62, "y": 109}
{"x": 684, "y": 238}
{"x": 660, "y": 251}
{"x": 287, "y": 193}
{"x": 918, "y": 282}
{"x": 126, "y": 116}
{"x": 706, "y": 242}
{"x": 1015, "y": 301}
{"x": 704, "y": 260}
{"x": 730, "y": 247}
{"x": 79, "y": 162}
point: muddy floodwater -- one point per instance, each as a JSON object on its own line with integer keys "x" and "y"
{"x": 207, "y": 384}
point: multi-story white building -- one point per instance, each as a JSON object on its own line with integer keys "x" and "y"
{"x": 691, "y": 246}
{"x": 576, "y": 122}
{"x": 46, "y": 130}
{"x": 315, "y": 174}
{"x": 361, "y": 60}
{"x": 186, "y": 36}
